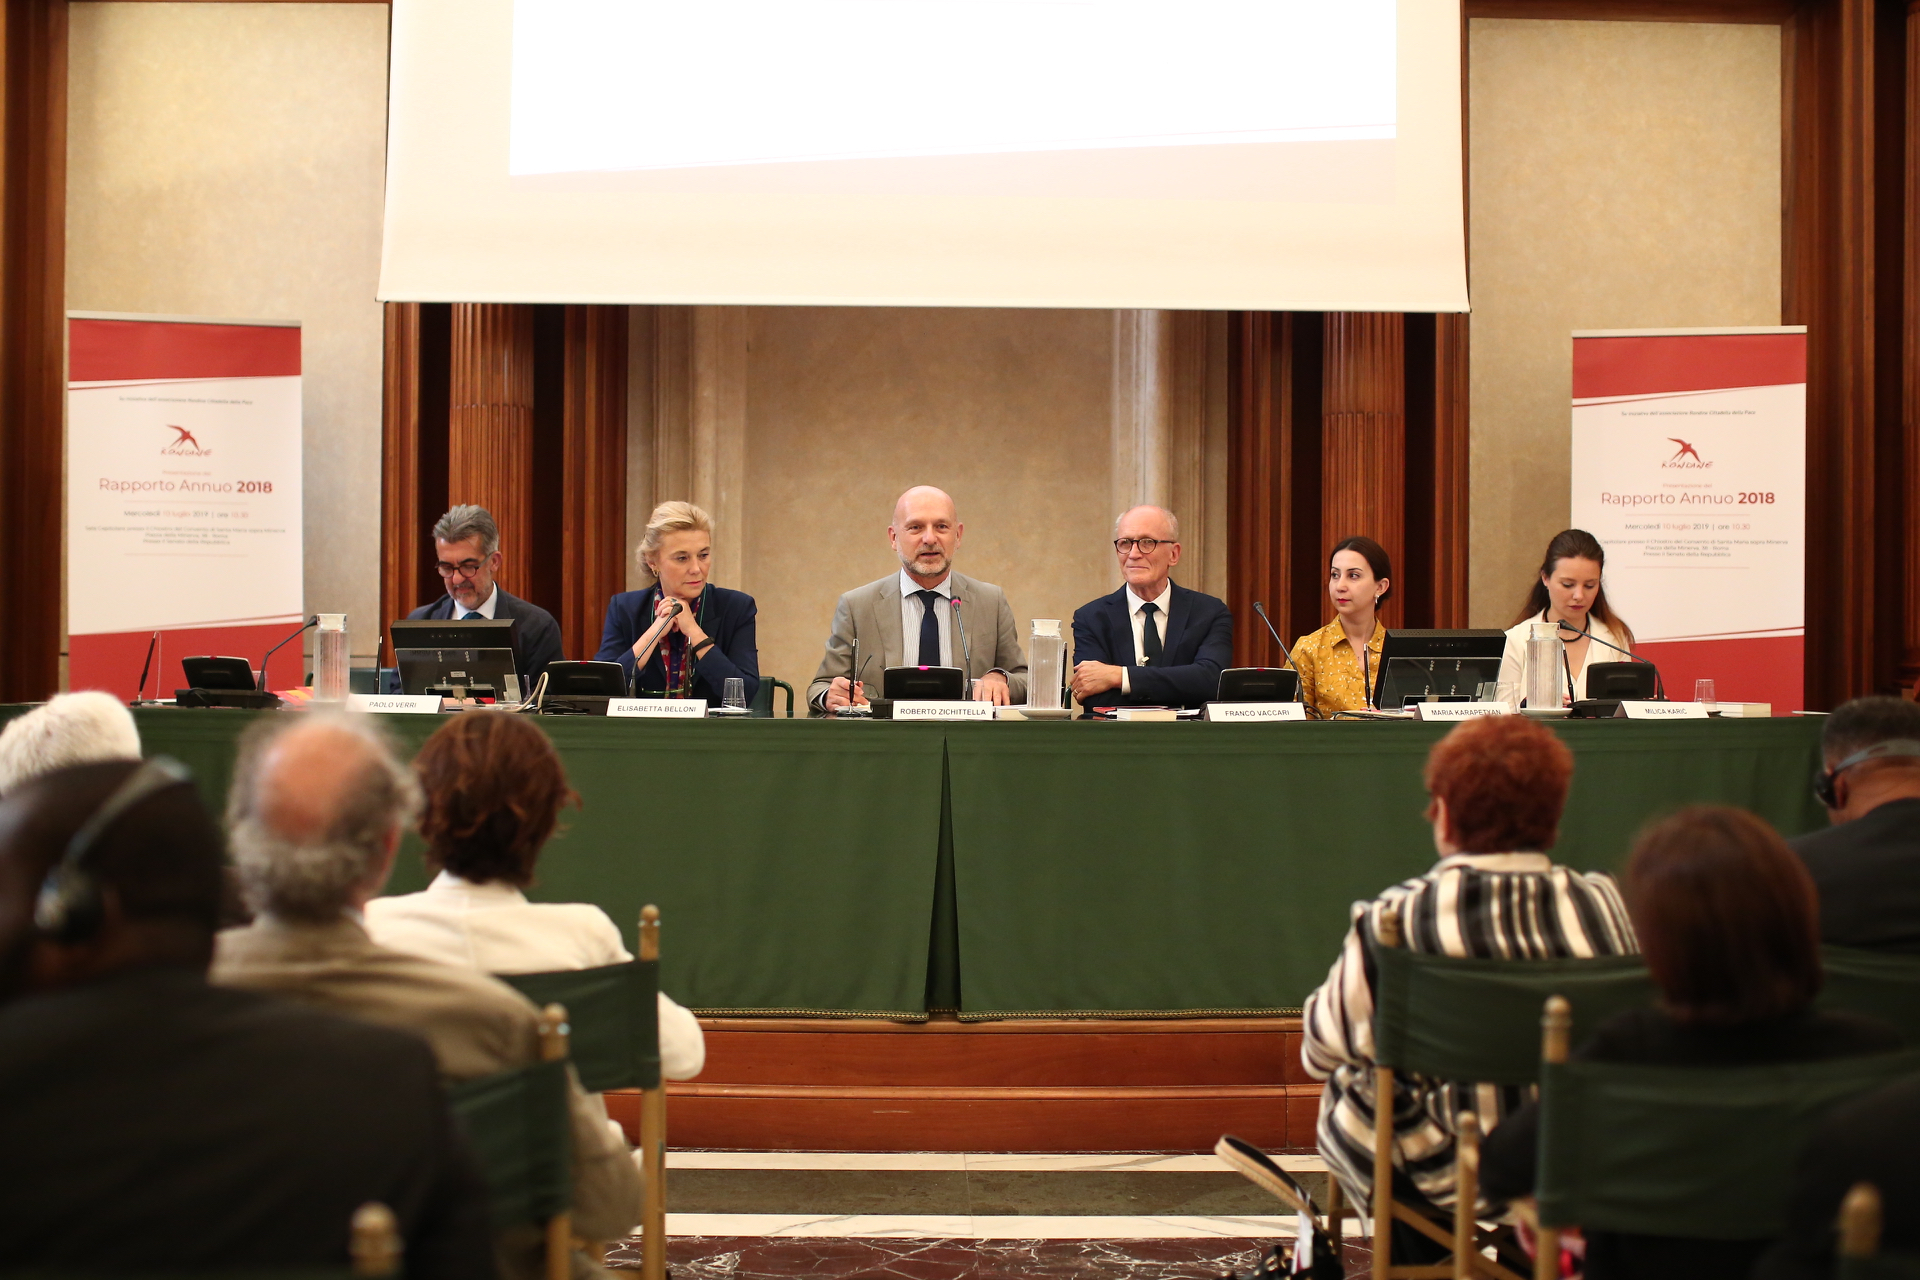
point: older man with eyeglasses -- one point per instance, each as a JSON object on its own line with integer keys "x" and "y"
{"x": 1152, "y": 643}
{"x": 466, "y": 543}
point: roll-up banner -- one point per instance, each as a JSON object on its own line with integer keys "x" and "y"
{"x": 1689, "y": 466}
{"x": 183, "y": 497}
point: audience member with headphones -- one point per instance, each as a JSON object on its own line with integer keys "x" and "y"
{"x": 1866, "y": 866}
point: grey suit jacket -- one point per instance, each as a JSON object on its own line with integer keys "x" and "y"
{"x": 871, "y": 614}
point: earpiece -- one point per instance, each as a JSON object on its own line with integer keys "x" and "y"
{"x": 68, "y": 907}
{"x": 1823, "y": 788}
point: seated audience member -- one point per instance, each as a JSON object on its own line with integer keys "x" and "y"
{"x": 693, "y": 653}
{"x": 152, "y": 1121}
{"x": 1871, "y": 1138}
{"x": 1727, "y": 920}
{"x": 493, "y": 788}
{"x": 74, "y": 728}
{"x": 1152, "y": 642}
{"x": 1866, "y": 866}
{"x": 1498, "y": 786}
{"x": 466, "y": 548}
{"x": 316, "y": 809}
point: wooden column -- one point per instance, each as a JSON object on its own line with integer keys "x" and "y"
{"x": 490, "y": 429}
{"x": 1909, "y": 674}
{"x": 33, "y": 180}
{"x": 1273, "y": 489}
{"x": 1451, "y": 471}
{"x": 1364, "y": 436}
{"x": 594, "y": 480}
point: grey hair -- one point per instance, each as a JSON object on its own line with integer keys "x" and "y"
{"x": 1173, "y": 521}
{"x": 74, "y": 728}
{"x": 464, "y": 521}
{"x": 313, "y": 878}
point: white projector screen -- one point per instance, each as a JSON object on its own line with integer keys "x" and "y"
{"x": 1217, "y": 154}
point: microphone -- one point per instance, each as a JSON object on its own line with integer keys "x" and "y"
{"x": 314, "y": 621}
{"x": 140, "y": 693}
{"x": 1366, "y": 677}
{"x": 966, "y": 684}
{"x": 1658, "y": 680}
{"x": 1260, "y": 608}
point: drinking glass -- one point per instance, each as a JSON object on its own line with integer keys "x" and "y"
{"x": 1703, "y": 694}
{"x": 734, "y": 696}
{"x": 1487, "y": 691}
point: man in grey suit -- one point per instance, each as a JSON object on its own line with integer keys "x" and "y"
{"x": 925, "y": 615}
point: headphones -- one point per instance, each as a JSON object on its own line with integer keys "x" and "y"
{"x": 1823, "y": 780}
{"x": 68, "y": 908}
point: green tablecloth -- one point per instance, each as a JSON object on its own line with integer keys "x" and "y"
{"x": 812, "y": 866}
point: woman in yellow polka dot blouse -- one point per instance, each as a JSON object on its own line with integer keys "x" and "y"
{"x": 1339, "y": 662}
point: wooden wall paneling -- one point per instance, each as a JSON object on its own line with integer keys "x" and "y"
{"x": 593, "y": 501}
{"x": 546, "y": 554}
{"x": 1763, "y": 12}
{"x": 413, "y": 447}
{"x": 33, "y": 180}
{"x": 1364, "y": 434}
{"x": 490, "y": 433}
{"x": 1452, "y": 470}
{"x": 1842, "y": 242}
{"x": 1909, "y": 673}
{"x": 1251, "y": 483}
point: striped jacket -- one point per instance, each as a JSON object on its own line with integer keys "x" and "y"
{"x": 1496, "y": 906}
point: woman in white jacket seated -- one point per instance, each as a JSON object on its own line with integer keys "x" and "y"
{"x": 494, "y": 787}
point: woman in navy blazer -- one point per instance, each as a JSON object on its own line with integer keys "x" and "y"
{"x": 692, "y": 653}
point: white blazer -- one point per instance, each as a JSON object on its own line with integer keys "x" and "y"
{"x": 492, "y": 927}
{"x": 1513, "y": 662}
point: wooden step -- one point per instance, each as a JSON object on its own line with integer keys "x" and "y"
{"x": 1041, "y": 1085}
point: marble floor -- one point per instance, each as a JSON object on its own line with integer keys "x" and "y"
{"x": 947, "y": 1215}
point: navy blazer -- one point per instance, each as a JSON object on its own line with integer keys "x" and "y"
{"x": 1199, "y": 645}
{"x": 730, "y": 620}
{"x": 536, "y": 636}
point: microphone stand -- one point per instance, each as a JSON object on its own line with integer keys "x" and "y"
{"x": 966, "y": 676}
{"x": 140, "y": 698}
{"x": 1286, "y": 660}
{"x": 1659, "y": 681}
{"x": 312, "y": 622}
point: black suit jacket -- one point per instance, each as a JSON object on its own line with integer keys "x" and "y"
{"x": 536, "y": 636}
{"x": 1198, "y": 646}
{"x": 1868, "y": 874}
{"x": 728, "y": 616}
{"x": 150, "y": 1120}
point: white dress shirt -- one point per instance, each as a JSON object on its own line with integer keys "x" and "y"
{"x": 1138, "y": 619}
{"x": 486, "y": 608}
{"x": 1513, "y": 662}
{"x": 492, "y": 927}
{"x": 911, "y": 611}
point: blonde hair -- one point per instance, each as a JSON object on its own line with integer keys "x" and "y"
{"x": 669, "y": 517}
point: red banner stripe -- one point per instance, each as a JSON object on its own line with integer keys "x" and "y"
{"x": 1686, "y": 362}
{"x": 129, "y": 350}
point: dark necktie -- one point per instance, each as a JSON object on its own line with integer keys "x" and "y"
{"x": 1149, "y": 634}
{"x": 929, "y": 628}
{"x": 471, "y": 615}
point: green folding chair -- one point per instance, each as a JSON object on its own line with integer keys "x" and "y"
{"x": 614, "y": 1012}
{"x": 1860, "y": 1256}
{"x": 1879, "y": 984}
{"x": 1449, "y": 1018}
{"x": 1700, "y": 1152}
{"x": 518, "y": 1125}
{"x": 763, "y": 697}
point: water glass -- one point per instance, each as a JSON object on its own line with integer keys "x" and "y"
{"x": 1487, "y": 691}
{"x": 1508, "y": 691}
{"x": 734, "y": 696}
{"x": 1703, "y": 694}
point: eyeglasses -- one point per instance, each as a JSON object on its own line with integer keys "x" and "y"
{"x": 1147, "y": 546}
{"x": 465, "y": 569}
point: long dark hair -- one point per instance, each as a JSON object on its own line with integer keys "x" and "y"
{"x": 1376, "y": 557}
{"x": 1573, "y": 544}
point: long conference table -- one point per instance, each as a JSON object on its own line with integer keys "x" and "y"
{"x": 1006, "y": 870}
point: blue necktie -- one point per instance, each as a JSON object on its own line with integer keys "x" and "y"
{"x": 471, "y": 615}
{"x": 929, "y": 628}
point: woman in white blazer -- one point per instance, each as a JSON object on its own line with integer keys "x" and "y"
{"x": 494, "y": 787}
{"x": 1568, "y": 590}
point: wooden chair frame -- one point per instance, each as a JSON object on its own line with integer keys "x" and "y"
{"x": 653, "y": 1138}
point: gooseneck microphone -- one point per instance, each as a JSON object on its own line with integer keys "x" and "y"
{"x": 1658, "y": 681}
{"x": 966, "y": 682}
{"x": 140, "y": 698}
{"x": 1260, "y": 608}
{"x": 314, "y": 621}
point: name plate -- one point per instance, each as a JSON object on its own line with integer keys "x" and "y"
{"x": 933, "y": 709}
{"x": 423, "y": 704}
{"x": 1268, "y": 712}
{"x": 1458, "y": 710}
{"x": 659, "y": 708}
{"x": 1662, "y": 710}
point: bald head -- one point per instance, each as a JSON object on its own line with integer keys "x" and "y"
{"x": 925, "y": 533}
{"x": 317, "y": 807}
{"x": 1145, "y": 568}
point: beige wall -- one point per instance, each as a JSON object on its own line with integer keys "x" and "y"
{"x": 1623, "y": 175}
{"x": 226, "y": 160}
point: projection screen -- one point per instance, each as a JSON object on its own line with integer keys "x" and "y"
{"x": 1216, "y": 154}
